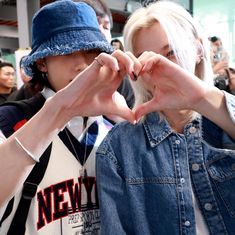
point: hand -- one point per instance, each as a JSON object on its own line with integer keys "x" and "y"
{"x": 171, "y": 86}
{"x": 220, "y": 67}
{"x": 93, "y": 92}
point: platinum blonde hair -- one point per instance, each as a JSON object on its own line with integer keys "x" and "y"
{"x": 184, "y": 37}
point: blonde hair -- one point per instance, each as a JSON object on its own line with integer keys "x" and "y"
{"x": 179, "y": 27}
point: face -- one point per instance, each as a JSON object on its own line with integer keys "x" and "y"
{"x": 105, "y": 27}
{"x": 157, "y": 43}
{"x": 63, "y": 69}
{"x": 217, "y": 43}
{"x": 7, "y": 77}
{"x": 116, "y": 45}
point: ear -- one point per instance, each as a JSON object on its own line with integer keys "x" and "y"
{"x": 41, "y": 65}
{"x": 200, "y": 51}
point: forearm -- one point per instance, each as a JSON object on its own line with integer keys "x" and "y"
{"x": 213, "y": 106}
{"x": 35, "y": 136}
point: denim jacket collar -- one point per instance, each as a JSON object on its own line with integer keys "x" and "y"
{"x": 156, "y": 133}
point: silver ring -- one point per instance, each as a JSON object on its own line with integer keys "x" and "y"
{"x": 99, "y": 62}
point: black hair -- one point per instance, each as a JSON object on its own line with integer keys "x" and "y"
{"x": 5, "y": 63}
{"x": 214, "y": 39}
{"x": 21, "y": 61}
{"x": 38, "y": 81}
{"x": 117, "y": 40}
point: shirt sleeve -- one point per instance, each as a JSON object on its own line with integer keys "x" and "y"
{"x": 2, "y": 137}
{"x": 230, "y": 103}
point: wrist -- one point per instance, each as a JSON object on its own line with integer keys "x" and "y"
{"x": 211, "y": 100}
{"x": 58, "y": 110}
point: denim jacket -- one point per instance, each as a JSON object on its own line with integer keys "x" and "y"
{"x": 147, "y": 173}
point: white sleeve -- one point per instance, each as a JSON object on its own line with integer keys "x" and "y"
{"x": 230, "y": 103}
{"x": 3, "y": 208}
{"x": 2, "y": 137}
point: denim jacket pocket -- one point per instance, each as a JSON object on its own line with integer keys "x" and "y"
{"x": 222, "y": 172}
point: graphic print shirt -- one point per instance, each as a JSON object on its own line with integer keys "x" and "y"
{"x": 66, "y": 199}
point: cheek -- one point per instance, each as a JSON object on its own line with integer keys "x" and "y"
{"x": 5, "y": 78}
{"x": 58, "y": 79}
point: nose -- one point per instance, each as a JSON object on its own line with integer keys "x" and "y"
{"x": 80, "y": 62}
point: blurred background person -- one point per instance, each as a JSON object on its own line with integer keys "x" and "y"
{"x": 117, "y": 44}
{"x": 7, "y": 80}
{"x": 104, "y": 16}
{"x": 27, "y": 90}
{"x": 220, "y": 63}
{"x": 218, "y": 55}
{"x": 25, "y": 78}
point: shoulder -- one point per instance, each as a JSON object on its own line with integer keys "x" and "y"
{"x": 10, "y": 116}
{"x": 119, "y": 136}
{"x": 14, "y": 114}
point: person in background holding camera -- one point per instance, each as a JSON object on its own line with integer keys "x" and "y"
{"x": 220, "y": 63}
{"x": 219, "y": 56}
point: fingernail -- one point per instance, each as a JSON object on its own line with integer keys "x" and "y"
{"x": 135, "y": 76}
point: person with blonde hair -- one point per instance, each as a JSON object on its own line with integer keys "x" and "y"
{"x": 48, "y": 142}
{"x": 172, "y": 172}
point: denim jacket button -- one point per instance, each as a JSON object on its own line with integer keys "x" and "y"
{"x": 187, "y": 223}
{"x": 192, "y": 130}
{"x": 182, "y": 180}
{"x": 208, "y": 206}
{"x": 177, "y": 141}
{"x": 195, "y": 167}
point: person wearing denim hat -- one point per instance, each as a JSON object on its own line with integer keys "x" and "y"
{"x": 48, "y": 164}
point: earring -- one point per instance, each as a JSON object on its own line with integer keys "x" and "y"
{"x": 44, "y": 76}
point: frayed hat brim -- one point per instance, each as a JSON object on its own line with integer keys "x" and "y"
{"x": 66, "y": 43}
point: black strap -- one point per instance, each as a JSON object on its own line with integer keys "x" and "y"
{"x": 8, "y": 210}
{"x": 30, "y": 106}
{"x": 29, "y": 190}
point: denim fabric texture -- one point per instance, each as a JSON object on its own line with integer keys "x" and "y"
{"x": 146, "y": 175}
{"x": 64, "y": 27}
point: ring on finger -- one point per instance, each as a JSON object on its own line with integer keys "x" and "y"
{"x": 99, "y": 62}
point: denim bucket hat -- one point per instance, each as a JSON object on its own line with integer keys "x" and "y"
{"x": 64, "y": 27}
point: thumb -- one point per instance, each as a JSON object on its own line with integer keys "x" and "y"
{"x": 121, "y": 108}
{"x": 144, "y": 109}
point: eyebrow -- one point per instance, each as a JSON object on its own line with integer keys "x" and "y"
{"x": 163, "y": 49}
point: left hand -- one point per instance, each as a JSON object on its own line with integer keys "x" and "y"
{"x": 172, "y": 87}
